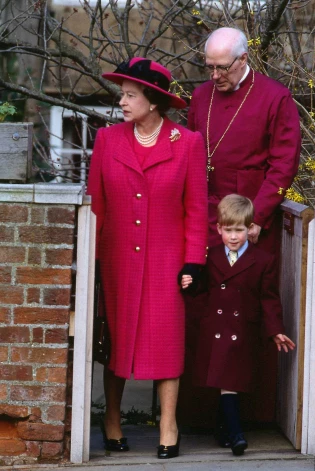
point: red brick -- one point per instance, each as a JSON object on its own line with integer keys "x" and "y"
{"x": 56, "y": 335}
{"x": 42, "y": 432}
{"x": 37, "y": 393}
{"x": 34, "y": 256}
{"x": 7, "y": 428}
{"x": 59, "y": 257}
{"x": 45, "y": 235}
{"x": 57, "y": 375}
{"x": 4, "y": 351}
{"x": 41, "y": 374}
{"x": 4, "y": 315}
{"x": 12, "y": 447}
{"x": 14, "y": 411}
{"x": 37, "y": 315}
{"x": 3, "y": 392}
{"x": 51, "y": 449}
{"x": 57, "y": 296}
{"x": 55, "y": 413}
{"x": 33, "y": 295}
{"x": 37, "y": 215}
{"x": 12, "y": 254}
{"x": 13, "y": 213}
{"x": 36, "y": 414}
{"x": 38, "y": 335}
{"x": 43, "y": 276}
{"x": 5, "y": 274}
{"x": 39, "y": 355}
{"x": 57, "y": 215}
{"x": 6, "y": 234}
{"x": 13, "y": 334}
{"x": 33, "y": 448}
{"x": 16, "y": 373}
{"x": 11, "y": 295}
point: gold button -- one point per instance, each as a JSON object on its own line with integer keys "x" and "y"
{"x": 207, "y": 248}
{"x": 137, "y": 249}
{"x": 217, "y": 336}
{"x": 223, "y": 286}
{"x": 236, "y": 313}
{"x": 138, "y": 222}
{"x": 139, "y": 195}
{"x": 234, "y": 337}
{"x": 219, "y": 311}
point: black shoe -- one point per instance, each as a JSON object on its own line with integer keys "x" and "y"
{"x": 238, "y": 444}
{"x": 222, "y": 437}
{"x": 111, "y": 444}
{"x": 166, "y": 452}
{"x": 116, "y": 445}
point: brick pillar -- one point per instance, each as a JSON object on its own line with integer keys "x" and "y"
{"x": 37, "y": 250}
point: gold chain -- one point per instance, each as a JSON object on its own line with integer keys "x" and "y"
{"x": 209, "y": 168}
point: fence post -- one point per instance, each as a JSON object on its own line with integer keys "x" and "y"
{"x": 83, "y": 333}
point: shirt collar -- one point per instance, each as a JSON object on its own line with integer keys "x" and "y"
{"x": 240, "y": 251}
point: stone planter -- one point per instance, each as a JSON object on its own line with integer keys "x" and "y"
{"x": 15, "y": 152}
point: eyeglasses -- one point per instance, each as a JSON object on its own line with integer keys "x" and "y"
{"x": 221, "y": 69}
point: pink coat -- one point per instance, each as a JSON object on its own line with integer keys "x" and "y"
{"x": 150, "y": 222}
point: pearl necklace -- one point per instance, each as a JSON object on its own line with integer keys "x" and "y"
{"x": 146, "y": 140}
{"x": 209, "y": 168}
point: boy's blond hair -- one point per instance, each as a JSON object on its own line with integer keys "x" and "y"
{"x": 235, "y": 209}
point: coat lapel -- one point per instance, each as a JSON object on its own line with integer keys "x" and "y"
{"x": 221, "y": 262}
{"x": 124, "y": 152}
{"x": 162, "y": 151}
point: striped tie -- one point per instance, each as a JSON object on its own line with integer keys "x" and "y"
{"x": 233, "y": 257}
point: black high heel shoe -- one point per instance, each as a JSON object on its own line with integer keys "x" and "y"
{"x": 110, "y": 444}
{"x": 166, "y": 452}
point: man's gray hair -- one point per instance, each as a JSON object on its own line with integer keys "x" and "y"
{"x": 240, "y": 44}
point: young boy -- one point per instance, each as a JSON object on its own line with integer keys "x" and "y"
{"x": 243, "y": 293}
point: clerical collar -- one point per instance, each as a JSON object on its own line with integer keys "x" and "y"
{"x": 243, "y": 78}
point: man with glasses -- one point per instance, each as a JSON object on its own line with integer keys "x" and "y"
{"x": 250, "y": 126}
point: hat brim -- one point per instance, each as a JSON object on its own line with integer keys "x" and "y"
{"x": 176, "y": 102}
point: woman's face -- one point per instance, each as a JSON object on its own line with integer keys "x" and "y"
{"x": 135, "y": 106}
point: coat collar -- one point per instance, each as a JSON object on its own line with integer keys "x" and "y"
{"x": 220, "y": 260}
{"x": 161, "y": 152}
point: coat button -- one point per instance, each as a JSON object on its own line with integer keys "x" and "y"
{"x": 138, "y": 222}
{"x": 217, "y": 336}
{"x": 234, "y": 337}
{"x": 223, "y": 286}
{"x": 236, "y": 313}
{"x": 138, "y": 195}
{"x": 219, "y": 311}
{"x": 137, "y": 249}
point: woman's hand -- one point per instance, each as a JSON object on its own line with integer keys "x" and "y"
{"x": 283, "y": 342}
{"x": 186, "y": 281}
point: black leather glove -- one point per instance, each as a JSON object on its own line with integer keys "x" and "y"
{"x": 194, "y": 270}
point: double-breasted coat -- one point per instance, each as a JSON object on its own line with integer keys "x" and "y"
{"x": 150, "y": 221}
{"x": 242, "y": 299}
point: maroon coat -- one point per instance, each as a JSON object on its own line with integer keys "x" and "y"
{"x": 150, "y": 221}
{"x": 259, "y": 155}
{"x": 242, "y": 298}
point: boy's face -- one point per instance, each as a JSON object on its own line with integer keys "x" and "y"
{"x": 234, "y": 236}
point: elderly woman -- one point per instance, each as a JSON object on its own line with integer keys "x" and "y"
{"x": 148, "y": 186}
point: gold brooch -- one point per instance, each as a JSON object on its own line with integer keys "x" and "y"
{"x": 175, "y": 135}
{"x": 281, "y": 190}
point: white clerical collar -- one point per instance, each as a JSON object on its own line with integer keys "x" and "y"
{"x": 243, "y": 78}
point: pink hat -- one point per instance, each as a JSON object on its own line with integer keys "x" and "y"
{"x": 148, "y": 73}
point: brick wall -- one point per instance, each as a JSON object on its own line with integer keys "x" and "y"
{"x": 36, "y": 254}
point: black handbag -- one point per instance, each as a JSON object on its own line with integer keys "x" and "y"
{"x": 101, "y": 337}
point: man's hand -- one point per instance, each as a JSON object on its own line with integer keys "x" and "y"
{"x": 253, "y": 233}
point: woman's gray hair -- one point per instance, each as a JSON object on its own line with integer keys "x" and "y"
{"x": 240, "y": 44}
